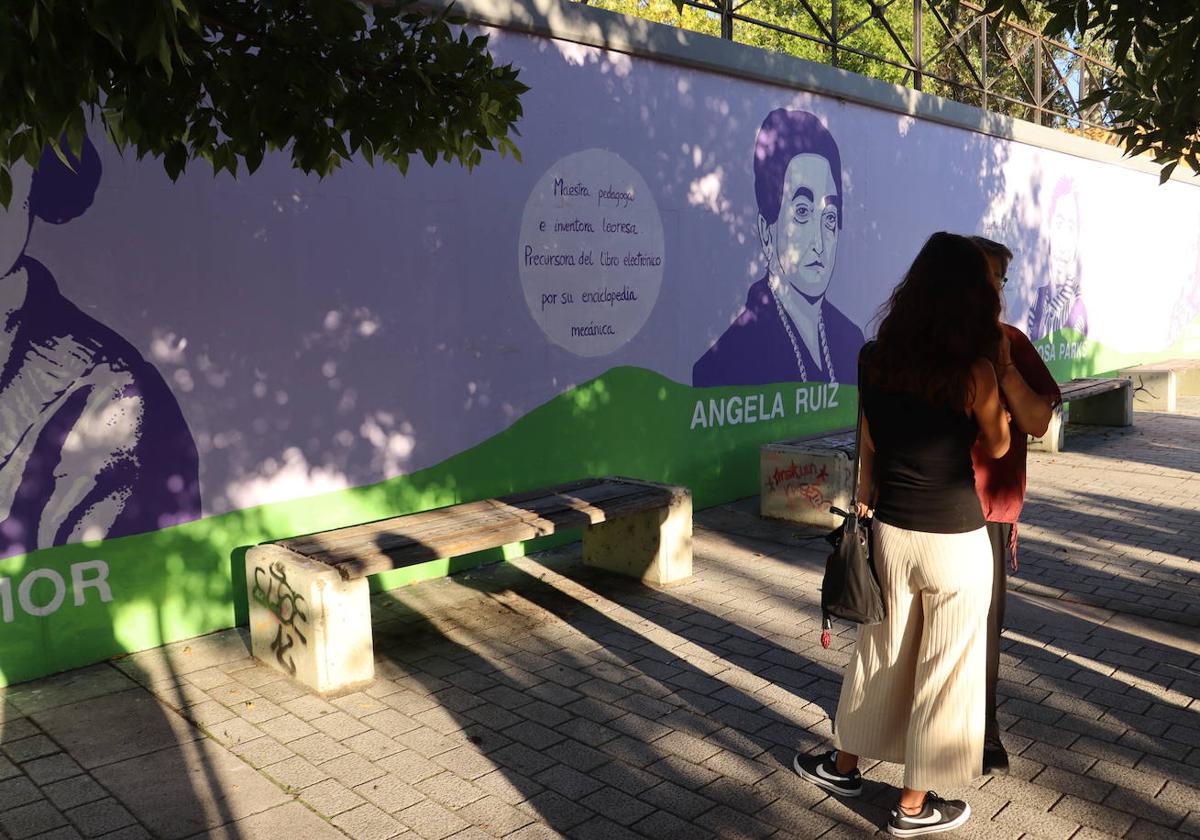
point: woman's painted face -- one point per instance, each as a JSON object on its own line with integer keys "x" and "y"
{"x": 1064, "y": 235}
{"x": 14, "y": 222}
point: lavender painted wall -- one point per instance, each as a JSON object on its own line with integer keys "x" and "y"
{"x": 318, "y": 335}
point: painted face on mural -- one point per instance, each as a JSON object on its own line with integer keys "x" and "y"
{"x": 1064, "y": 236}
{"x": 14, "y": 222}
{"x": 802, "y": 244}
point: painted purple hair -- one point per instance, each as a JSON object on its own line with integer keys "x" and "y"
{"x": 59, "y": 194}
{"x": 1065, "y": 188}
{"x": 783, "y": 135}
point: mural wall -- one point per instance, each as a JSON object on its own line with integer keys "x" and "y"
{"x": 682, "y": 268}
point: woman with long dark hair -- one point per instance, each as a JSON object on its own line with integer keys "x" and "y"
{"x": 913, "y": 693}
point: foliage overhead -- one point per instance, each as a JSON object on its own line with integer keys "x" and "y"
{"x": 229, "y": 80}
{"x": 1152, "y": 103}
{"x": 1156, "y": 48}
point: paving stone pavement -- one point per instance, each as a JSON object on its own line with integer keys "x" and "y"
{"x": 542, "y": 699}
{"x": 1115, "y": 521}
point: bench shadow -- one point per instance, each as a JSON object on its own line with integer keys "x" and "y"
{"x": 646, "y": 666}
{"x": 1104, "y": 704}
{"x": 639, "y": 690}
{"x": 1136, "y": 557}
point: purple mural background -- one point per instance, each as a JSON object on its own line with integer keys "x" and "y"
{"x": 319, "y": 335}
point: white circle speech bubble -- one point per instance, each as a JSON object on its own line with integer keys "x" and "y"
{"x": 591, "y": 252}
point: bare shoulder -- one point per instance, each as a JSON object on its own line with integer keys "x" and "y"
{"x": 983, "y": 372}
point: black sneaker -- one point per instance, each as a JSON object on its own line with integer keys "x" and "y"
{"x": 995, "y": 761}
{"x": 936, "y": 815}
{"x": 822, "y": 771}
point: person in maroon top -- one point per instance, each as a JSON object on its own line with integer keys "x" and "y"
{"x": 1030, "y": 395}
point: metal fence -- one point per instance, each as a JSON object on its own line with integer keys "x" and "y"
{"x": 945, "y": 47}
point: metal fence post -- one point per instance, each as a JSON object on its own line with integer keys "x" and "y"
{"x": 727, "y": 19}
{"x": 1038, "y": 44}
{"x": 983, "y": 60}
{"x": 833, "y": 32}
{"x": 918, "y": 81}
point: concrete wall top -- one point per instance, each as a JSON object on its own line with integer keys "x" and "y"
{"x": 600, "y": 28}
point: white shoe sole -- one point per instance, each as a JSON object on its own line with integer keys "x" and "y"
{"x": 824, "y": 784}
{"x": 931, "y": 829}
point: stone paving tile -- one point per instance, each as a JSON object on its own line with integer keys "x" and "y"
{"x": 330, "y": 798}
{"x": 366, "y": 822}
{"x": 100, "y": 817}
{"x": 549, "y": 700}
{"x": 352, "y": 770}
{"x": 32, "y": 819}
{"x": 295, "y": 773}
{"x": 390, "y": 793}
{"x": 556, "y": 810}
{"x": 431, "y": 821}
{"x": 495, "y": 816}
{"x": 69, "y": 793}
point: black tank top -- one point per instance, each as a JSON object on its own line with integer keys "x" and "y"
{"x": 922, "y": 463}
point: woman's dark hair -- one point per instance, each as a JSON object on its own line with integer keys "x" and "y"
{"x": 943, "y": 316}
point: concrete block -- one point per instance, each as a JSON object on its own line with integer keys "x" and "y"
{"x": 307, "y": 622}
{"x": 1054, "y": 438}
{"x": 800, "y": 479}
{"x": 1112, "y": 408}
{"x": 655, "y": 545}
{"x": 1154, "y": 389}
{"x": 1188, "y": 380}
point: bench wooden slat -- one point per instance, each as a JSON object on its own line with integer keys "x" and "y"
{"x": 391, "y": 535}
{"x": 371, "y": 560}
{"x": 416, "y": 523}
{"x": 1083, "y": 388}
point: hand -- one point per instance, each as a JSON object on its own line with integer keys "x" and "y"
{"x": 864, "y": 512}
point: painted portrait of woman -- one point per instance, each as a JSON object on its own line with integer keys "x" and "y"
{"x": 1059, "y": 303}
{"x": 92, "y": 441}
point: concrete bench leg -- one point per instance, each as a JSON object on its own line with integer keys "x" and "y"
{"x": 1188, "y": 381}
{"x": 1154, "y": 390}
{"x": 1052, "y": 441}
{"x": 307, "y": 622}
{"x": 655, "y": 546}
{"x": 800, "y": 482}
{"x": 1112, "y": 408}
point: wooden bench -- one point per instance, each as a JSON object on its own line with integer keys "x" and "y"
{"x": 1157, "y": 385}
{"x": 1093, "y": 402}
{"x": 310, "y": 612}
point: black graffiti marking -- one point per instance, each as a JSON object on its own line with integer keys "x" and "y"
{"x": 287, "y": 606}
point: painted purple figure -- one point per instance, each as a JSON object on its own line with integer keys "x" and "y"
{"x": 92, "y": 441}
{"x": 1059, "y": 304}
{"x": 789, "y": 331}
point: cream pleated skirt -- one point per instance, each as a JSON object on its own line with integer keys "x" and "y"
{"x": 914, "y": 690}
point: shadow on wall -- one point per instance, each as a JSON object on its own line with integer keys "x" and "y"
{"x": 311, "y": 414}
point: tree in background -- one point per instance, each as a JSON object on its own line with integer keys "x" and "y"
{"x": 1151, "y": 104}
{"x": 228, "y": 80}
{"x": 1156, "y": 48}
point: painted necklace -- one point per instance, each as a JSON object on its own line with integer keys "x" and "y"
{"x": 787, "y": 326}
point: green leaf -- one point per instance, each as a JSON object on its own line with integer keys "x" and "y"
{"x": 174, "y": 160}
{"x": 6, "y": 187}
{"x": 1165, "y": 174}
{"x": 76, "y": 131}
